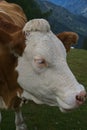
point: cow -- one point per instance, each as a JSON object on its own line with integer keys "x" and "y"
{"x": 33, "y": 67}
{"x": 68, "y": 39}
{"x": 43, "y": 70}
{"x": 12, "y": 43}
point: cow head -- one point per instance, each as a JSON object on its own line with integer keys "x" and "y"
{"x": 43, "y": 70}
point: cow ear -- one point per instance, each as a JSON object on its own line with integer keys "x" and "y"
{"x": 68, "y": 39}
{"x": 5, "y": 38}
{"x": 18, "y": 43}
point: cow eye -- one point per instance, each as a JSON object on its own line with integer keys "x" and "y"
{"x": 40, "y": 62}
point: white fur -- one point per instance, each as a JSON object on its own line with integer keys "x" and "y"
{"x": 54, "y": 84}
{"x": 19, "y": 121}
{"x": 37, "y": 25}
{"x": 2, "y": 104}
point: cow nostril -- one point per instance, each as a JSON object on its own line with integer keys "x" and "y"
{"x": 81, "y": 97}
{"x": 86, "y": 95}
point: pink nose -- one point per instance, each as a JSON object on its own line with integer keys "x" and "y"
{"x": 81, "y": 97}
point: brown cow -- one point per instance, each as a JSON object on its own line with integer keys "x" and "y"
{"x": 12, "y": 44}
{"x": 68, "y": 39}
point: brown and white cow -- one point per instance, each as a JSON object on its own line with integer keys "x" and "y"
{"x": 12, "y": 44}
{"x": 33, "y": 66}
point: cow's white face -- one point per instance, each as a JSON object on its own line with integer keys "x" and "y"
{"x": 43, "y": 70}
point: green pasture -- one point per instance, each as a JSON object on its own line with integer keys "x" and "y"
{"x": 42, "y": 117}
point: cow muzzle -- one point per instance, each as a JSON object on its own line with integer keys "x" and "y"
{"x": 81, "y": 97}
{"x": 73, "y": 102}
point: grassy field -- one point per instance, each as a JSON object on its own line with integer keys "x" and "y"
{"x": 42, "y": 117}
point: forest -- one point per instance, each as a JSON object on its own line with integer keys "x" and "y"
{"x": 31, "y": 9}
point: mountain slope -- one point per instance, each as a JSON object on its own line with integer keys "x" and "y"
{"x": 62, "y": 16}
{"x": 62, "y": 20}
{"x": 75, "y": 6}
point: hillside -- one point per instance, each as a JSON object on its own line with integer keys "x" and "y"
{"x": 62, "y": 20}
{"x": 80, "y": 6}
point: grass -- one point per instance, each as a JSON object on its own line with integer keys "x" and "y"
{"x": 42, "y": 117}
{"x": 77, "y": 60}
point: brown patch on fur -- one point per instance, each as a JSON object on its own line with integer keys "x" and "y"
{"x": 14, "y": 13}
{"x": 15, "y": 41}
{"x": 18, "y": 43}
{"x": 8, "y": 76}
{"x": 68, "y": 39}
{"x": 8, "y": 27}
{"x": 12, "y": 41}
